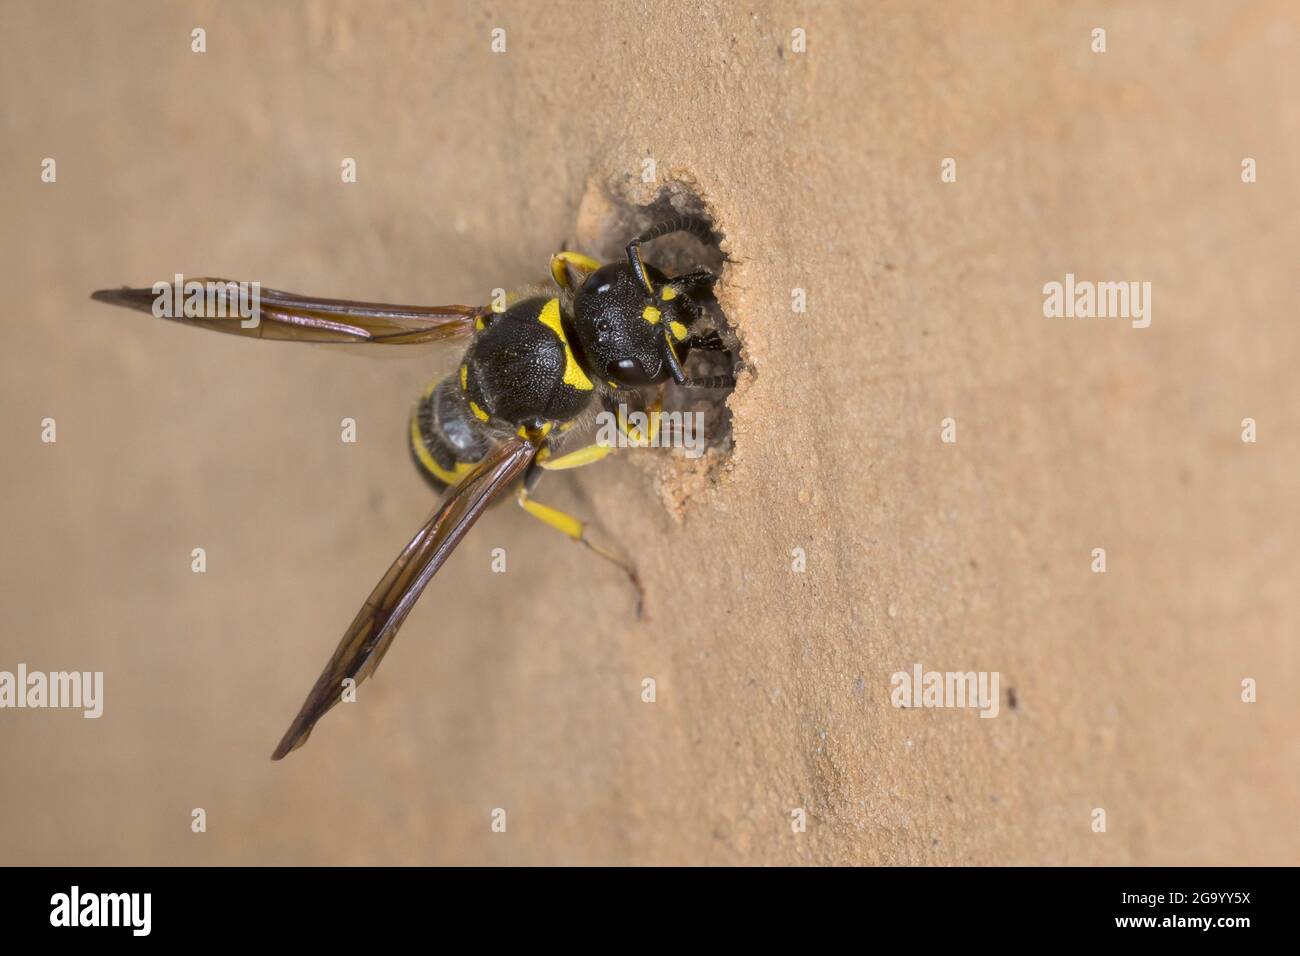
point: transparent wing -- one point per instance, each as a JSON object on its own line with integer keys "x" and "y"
{"x": 368, "y": 638}
{"x": 285, "y": 316}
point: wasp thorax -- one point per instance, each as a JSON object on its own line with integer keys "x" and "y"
{"x": 521, "y": 369}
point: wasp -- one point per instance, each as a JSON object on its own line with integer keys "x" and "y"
{"x": 531, "y": 370}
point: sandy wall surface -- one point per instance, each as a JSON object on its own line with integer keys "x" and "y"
{"x": 523, "y": 690}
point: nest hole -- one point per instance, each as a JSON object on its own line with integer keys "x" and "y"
{"x": 607, "y": 221}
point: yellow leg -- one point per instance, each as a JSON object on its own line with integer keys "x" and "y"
{"x": 576, "y": 531}
{"x": 554, "y": 517}
{"x": 634, "y": 435}
{"x": 587, "y": 455}
{"x": 563, "y": 262}
{"x": 590, "y": 454}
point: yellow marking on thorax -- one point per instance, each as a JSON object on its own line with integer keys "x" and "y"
{"x": 464, "y": 377}
{"x": 651, "y": 315}
{"x": 422, "y": 452}
{"x": 679, "y": 330}
{"x": 478, "y": 412}
{"x": 668, "y": 293}
{"x": 574, "y": 376}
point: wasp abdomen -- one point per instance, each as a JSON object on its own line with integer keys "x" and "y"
{"x": 446, "y": 440}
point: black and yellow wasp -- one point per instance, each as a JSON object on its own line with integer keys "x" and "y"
{"x": 531, "y": 370}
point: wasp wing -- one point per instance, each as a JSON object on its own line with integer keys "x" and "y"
{"x": 370, "y": 634}
{"x": 286, "y": 316}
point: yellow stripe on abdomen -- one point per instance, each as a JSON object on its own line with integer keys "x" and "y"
{"x": 426, "y": 458}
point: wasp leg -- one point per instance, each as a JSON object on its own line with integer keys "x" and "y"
{"x": 706, "y": 342}
{"x": 695, "y": 279}
{"x": 570, "y": 526}
{"x": 636, "y": 436}
{"x": 563, "y": 262}
{"x": 696, "y": 227}
{"x": 587, "y": 455}
{"x": 590, "y": 454}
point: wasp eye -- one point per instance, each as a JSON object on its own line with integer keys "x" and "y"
{"x": 629, "y": 371}
{"x": 602, "y": 280}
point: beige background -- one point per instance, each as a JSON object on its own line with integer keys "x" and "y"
{"x": 522, "y": 690}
